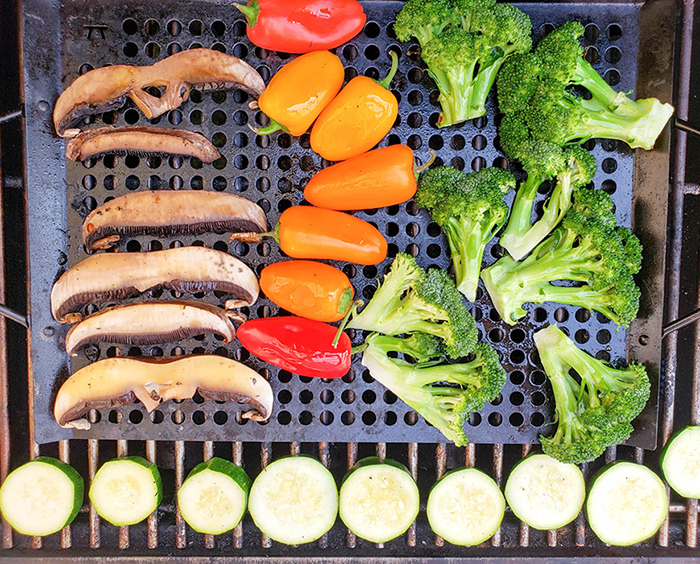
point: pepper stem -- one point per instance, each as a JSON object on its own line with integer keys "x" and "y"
{"x": 346, "y": 320}
{"x": 274, "y": 126}
{"x": 254, "y": 237}
{"x": 418, "y": 169}
{"x": 386, "y": 83}
{"x": 251, "y": 11}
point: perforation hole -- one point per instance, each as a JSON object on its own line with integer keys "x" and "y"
{"x": 410, "y": 418}
{"x": 591, "y": 32}
{"x": 130, "y": 26}
{"x": 347, "y": 418}
{"x": 131, "y": 49}
{"x": 614, "y": 32}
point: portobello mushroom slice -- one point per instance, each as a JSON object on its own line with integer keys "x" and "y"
{"x": 141, "y": 141}
{"x": 113, "y": 382}
{"x": 151, "y": 323}
{"x": 108, "y": 277}
{"x": 170, "y": 212}
{"x": 107, "y": 88}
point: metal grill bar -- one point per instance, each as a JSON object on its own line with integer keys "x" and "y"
{"x": 350, "y": 538}
{"x": 152, "y": 522}
{"x": 4, "y": 384}
{"x": 122, "y": 451}
{"x": 64, "y": 455}
{"x": 207, "y": 454}
{"x": 180, "y": 529}
{"x": 265, "y": 459}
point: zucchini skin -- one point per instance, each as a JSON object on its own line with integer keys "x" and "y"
{"x": 222, "y": 466}
{"x": 664, "y": 452}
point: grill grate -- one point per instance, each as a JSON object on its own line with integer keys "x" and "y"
{"x": 427, "y": 461}
{"x": 272, "y": 171}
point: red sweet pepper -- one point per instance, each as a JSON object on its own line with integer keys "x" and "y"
{"x": 299, "y": 345}
{"x": 301, "y": 26}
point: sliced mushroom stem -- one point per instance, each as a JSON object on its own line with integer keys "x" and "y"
{"x": 141, "y": 140}
{"x": 152, "y": 323}
{"x": 107, "y": 88}
{"x": 119, "y": 381}
{"x": 249, "y": 237}
{"x": 162, "y": 213}
{"x": 108, "y": 277}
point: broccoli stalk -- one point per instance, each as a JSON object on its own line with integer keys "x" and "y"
{"x": 442, "y": 393}
{"x": 586, "y": 248}
{"x": 595, "y": 413}
{"x": 470, "y": 209}
{"x": 578, "y": 168}
{"x": 409, "y": 300}
{"x": 537, "y": 89}
{"x": 464, "y": 43}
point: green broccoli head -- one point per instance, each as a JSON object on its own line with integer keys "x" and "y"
{"x": 442, "y": 393}
{"x": 543, "y": 87}
{"x": 470, "y": 209}
{"x": 424, "y": 19}
{"x": 464, "y": 45}
{"x": 581, "y": 166}
{"x": 560, "y": 52}
{"x": 595, "y": 412}
{"x": 517, "y": 81}
{"x": 587, "y": 249}
{"x": 409, "y": 300}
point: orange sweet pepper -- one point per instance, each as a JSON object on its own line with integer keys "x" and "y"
{"x": 357, "y": 119}
{"x": 383, "y": 177}
{"x": 306, "y": 232}
{"x": 307, "y": 288}
{"x": 300, "y": 91}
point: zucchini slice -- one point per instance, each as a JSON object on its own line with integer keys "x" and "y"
{"x": 213, "y": 498}
{"x": 627, "y": 504}
{"x": 465, "y": 507}
{"x": 680, "y": 462}
{"x": 378, "y": 499}
{"x": 545, "y": 493}
{"x": 294, "y": 500}
{"x": 41, "y": 497}
{"x": 126, "y": 490}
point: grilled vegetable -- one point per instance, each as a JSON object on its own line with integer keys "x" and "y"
{"x": 301, "y": 26}
{"x": 151, "y": 323}
{"x": 107, "y": 88}
{"x": 294, "y": 500}
{"x": 114, "y": 276}
{"x": 119, "y": 381}
{"x": 357, "y": 119}
{"x": 300, "y": 91}
{"x": 627, "y": 503}
{"x": 162, "y": 213}
{"x": 379, "y": 499}
{"x": 545, "y": 493}
{"x": 594, "y": 411}
{"x": 140, "y": 140}
{"x": 678, "y": 462}
{"x": 41, "y": 497}
{"x": 306, "y": 232}
{"x": 309, "y": 289}
{"x": 444, "y": 394}
{"x": 126, "y": 490}
{"x": 214, "y": 497}
{"x": 411, "y": 300}
{"x": 299, "y": 345}
{"x": 465, "y": 507}
{"x": 379, "y": 178}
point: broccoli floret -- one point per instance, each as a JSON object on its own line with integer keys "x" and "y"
{"x": 419, "y": 346}
{"x": 464, "y": 43}
{"x": 586, "y": 248}
{"x": 578, "y": 168}
{"x": 470, "y": 209}
{"x": 537, "y": 91}
{"x": 595, "y": 412}
{"x": 442, "y": 393}
{"x": 424, "y": 19}
{"x": 409, "y": 300}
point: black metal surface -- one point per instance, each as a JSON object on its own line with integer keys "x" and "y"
{"x": 272, "y": 171}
